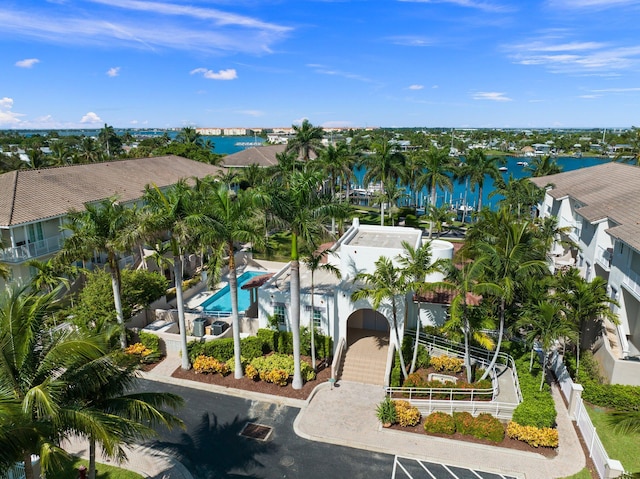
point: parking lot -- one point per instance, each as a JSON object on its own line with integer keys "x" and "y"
{"x": 406, "y": 468}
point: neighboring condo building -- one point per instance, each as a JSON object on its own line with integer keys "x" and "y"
{"x": 600, "y": 207}
{"x": 35, "y": 203}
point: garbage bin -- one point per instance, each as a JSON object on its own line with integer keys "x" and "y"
{"x": 198, "y": 327}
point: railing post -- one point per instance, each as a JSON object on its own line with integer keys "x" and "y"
{"x": 575, "y": 399}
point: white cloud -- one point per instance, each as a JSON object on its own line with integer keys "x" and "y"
{"x": 591, "y": 4}
{"x": 490, "y": 95}
{"x": 485, "y": 6}
{"x": 617, "y": 90}
{"x": 589, "y": 97}
{"x": 325, "y": 70}
{"x": 163, "y": 25}
{"x": 228, "y": 74}
{"x": 113, "y": 72}
{"x": 8, "y": 117}
{"x": 299, "y": 121}
{"x": 254, "y": 113}
{"x": 27, "y": 62}
{"x": 411, "y": 41}
{"x": 91, "y": 117}
{"x": 416, "y": 87}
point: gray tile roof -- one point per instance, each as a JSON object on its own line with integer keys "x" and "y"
{"x": 260, "y": 155}
{"x": 610, "y": 190}
{"x": 31, "y": 195}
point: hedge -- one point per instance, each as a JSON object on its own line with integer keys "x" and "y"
{"x": 537, "y": 408}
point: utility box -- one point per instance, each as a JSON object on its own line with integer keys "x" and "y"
{"x": 198, "y": 327}
{"x": 218, "y": 327}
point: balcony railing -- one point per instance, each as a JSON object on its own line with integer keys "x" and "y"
{"x": 28, "y": 251}
{"x": 632, "y": 281}
{"x": 604, "y": 256}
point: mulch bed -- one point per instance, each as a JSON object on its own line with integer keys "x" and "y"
{"x": 507, "y": 442}
{"x": 323, "y": 375}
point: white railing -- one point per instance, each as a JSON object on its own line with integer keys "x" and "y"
{"x": 31, "y": 250}
{"x": 337, "y": 358}
{"x": 632, "y": 281}
{"x": 15, "y": 472}
{"x": 604, "y": 256}
{"x": 597, "y": 452}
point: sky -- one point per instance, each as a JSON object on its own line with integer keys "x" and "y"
{"x": 272, "y": 63}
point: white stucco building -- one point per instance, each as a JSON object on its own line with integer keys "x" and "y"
{"x": 600, "y": 206}
{"x": 334, "y": 313}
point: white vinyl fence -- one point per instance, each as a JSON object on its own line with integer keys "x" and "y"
{"x": 605, "y": 466}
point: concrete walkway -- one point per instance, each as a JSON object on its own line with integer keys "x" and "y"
{"x": 345, "y": 415}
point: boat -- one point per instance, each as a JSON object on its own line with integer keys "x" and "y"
{"x": 522, "y": 163}
{"x": 503, "y": 169}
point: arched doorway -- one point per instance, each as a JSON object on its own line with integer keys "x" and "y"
{"x": 367, "y": 345}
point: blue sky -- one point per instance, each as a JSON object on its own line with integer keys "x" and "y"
{"x": 429, "y": 63}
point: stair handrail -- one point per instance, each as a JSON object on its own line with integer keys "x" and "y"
{"x": 337, "y": 358}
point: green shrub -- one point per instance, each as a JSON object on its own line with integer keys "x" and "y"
{"x": 396, "y": 374}
{"x": 620, "y": 397}
{"x": 269, "y": 338}
{"x": 411, "y": 221}
{"x": 265, "y": 364}
{"x": 251, "y": 347}
{"x": 386, "y": 411}
{"x": 285, "y": 343}
{"x": 150, "y": 341}
{"x": 220, "y": 349}
{"x": 485, "y": 426}
{"x": 463, "y": 422}
{"x": 440, "y": 423}
{"x": 537, "y": 408}
{"x": 423, "y": 360}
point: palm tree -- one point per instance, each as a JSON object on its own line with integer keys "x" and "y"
{"x": 103, "y": 228}
{"x": 439, "y": 167}
{"x": 50, "y": 274}
{"x": 37, "y": 158}
{"x": 189, "y": 136}
{"x": 585, "y": 304}
{"x": 122, "y": 417}
{"x": 110, "y": 141}
{"x": 510, "y": 255}
{"x": 89, "y": 150}
{"x": 306, "y": 139}
{"x": 315, "y": 262}
{"x": 543, "y": 166}
{"x": 301, "y": 206}
{"x": 334, "y": 162}
{"x": 544, "y": 324}
{"x": 476, "y": 167}
{"x": 439, "y": 215}
{"x": 251, "y": 176}
{"x": 177, "y": 215}
{"x": 385, "y": 165}
{"x": 416, "y": 264}
{"x": 60, "y": 154}
{"x": 234, "y": 222}
{"x": 414, "y": 169}
{"x": 385, "y": 284}
{"x": 39, "y": 380}
{"x": 519, "y": 195}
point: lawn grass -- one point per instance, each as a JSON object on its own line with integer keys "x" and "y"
{"x": 103, "y": 471}
{"x": 584, "y": 474}
{"x": 623, "y": 447}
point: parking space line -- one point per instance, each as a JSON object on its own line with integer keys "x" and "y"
{"x": 428, "y": 471}
{"x": 405, "y": 471}
{"x": 450, "y": 471}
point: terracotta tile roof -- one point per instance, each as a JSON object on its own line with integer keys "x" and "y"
{"x": 31, "y": 195}
{"x": 257, "y": 281}
{"x": 259, "y": 155}
{"x": 609, "y": 190}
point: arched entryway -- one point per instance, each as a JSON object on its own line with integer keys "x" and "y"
{"x": 365, "y": 359}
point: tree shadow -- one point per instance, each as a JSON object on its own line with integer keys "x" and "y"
{"x": 213, "y": 450}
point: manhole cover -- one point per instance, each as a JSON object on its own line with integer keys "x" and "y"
{"x": 256, "y": 431}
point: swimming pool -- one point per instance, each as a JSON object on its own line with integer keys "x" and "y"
{"x": 221, "y": 301}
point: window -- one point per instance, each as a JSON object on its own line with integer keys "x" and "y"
{"x": 317, "y": 318}
{"x": 35, "y": 232}
{"x": 279, "y": 312}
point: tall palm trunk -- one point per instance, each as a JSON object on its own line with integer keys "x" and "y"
{"x": 395, "y": 328}
{"x": 177, "y": 272}
{"x": 500, "y": 334}
{"x": 115, "y": 286}
{"x": 432, "y": 201}
{"x": 92, "y": 458}
{"x": 28, "y": 466}
{"x": 233, "y": 288}
{"x": 312, "y": 326}
{"x": 415, "y": 344}
{"x": 295, "y": 312}
{"x": 479, "y": 198}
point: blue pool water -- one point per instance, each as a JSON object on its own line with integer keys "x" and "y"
{"x": 221, "y": 301}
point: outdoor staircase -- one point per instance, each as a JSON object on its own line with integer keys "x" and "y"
{"x": 365, "y": 358}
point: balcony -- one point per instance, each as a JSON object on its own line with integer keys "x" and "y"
{"x": 604, "y": 257}
{"x": 28, "y": 251}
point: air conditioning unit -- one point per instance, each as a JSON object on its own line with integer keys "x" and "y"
{"x": 218, "y": 327}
